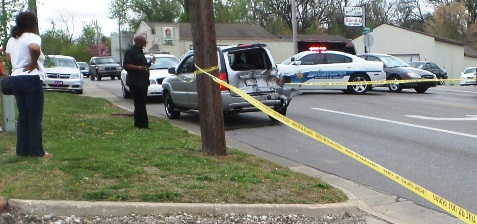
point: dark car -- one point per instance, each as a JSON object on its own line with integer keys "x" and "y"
{"x": 104, "y": 67}
{"x": 84, "y": 68}
{"x": 396, "y": 69}
{"x": 440, "y": 73}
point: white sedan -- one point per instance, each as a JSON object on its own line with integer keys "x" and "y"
{"x": 158, "y": 71}
{"x": 62, "y": 74}
{"x": 468, "y": 77}
{"x": 309, "y": 70}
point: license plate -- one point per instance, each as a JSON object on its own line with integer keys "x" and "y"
{"x": 58, "y": 83}
{"x": 250, "y": 82}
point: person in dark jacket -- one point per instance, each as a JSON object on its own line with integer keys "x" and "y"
{"x": 135, "y": 63}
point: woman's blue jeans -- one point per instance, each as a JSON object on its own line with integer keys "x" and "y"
{"x": 29, "y": 96}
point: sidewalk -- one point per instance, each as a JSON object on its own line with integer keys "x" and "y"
{"x": 374, "y": 206}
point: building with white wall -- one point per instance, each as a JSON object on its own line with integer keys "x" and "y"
{"x": 412, "y": 45}
{"x": 126, "y": 42}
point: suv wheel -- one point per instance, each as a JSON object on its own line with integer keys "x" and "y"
{"x": 395, "y": 87}
{"x": 91, "y": 77}
{"x": 98, "y": 77}
{"x": 358, "y": 89}
{"x": 169, "y": 107}
{"x": 282, "y": 111}
{"x": 112, "y": 77}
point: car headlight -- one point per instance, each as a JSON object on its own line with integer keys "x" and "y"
{"x": 413, "y": 75}
{"x": 75, "y": 76}
{"x": 152, "y": 81}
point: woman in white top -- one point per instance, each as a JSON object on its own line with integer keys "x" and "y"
{"x": 24, "y": 54}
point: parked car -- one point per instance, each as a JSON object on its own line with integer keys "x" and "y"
{"x": 396, "y": 69}
{"x": 308, "y": 68}
{"x": 84, "y": 68}
{"x": 158, "y": 71}
{"x": 249, "y": 67}
{"x": 468, "y": 76}
{"x": 104, "y": 67}
{"x": 440, "y": 73}
{"x": 62, "y": 73}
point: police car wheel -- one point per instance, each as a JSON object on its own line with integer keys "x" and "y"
{"x": 358, "y": 89}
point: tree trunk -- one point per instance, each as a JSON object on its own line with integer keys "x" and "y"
{"x": 205, "y": 55}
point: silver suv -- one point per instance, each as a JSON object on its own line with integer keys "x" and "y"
{"x": 104, "y": 67}
{"x": 249, "y": 67}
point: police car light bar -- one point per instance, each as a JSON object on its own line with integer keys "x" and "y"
{"x": 317, "y": 48}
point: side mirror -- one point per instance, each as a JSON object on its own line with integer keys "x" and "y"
{"x": 297, "y": 63}
{"x": 171, "y": 70}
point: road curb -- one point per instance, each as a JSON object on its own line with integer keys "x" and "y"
{"x": 85, "y": 208}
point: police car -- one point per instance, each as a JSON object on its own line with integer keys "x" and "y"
{"x": 320, "y": 69}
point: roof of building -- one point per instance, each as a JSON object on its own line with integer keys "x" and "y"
{"x": 436, "y": 37}
{"x": 224, "y": 31}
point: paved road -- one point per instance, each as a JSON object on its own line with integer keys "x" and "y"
{"x": 427, "y": 138}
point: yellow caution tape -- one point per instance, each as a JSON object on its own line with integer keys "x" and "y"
{"x": 378, "y": 82}
{"x": 448, "y": 206}
{"x": 205, "y": 70}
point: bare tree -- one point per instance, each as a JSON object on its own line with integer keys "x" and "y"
{"x": 309, "y": 12}
{"x": 449, "y": 21}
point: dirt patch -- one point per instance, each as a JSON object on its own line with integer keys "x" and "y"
{"x": 123, "y": 114}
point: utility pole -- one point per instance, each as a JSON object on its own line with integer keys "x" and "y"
{"x": 294, "y": 27}
{"x": 32, "y": 8}
{"x": 205, "y": 55}
{"x": 120, "y": 50}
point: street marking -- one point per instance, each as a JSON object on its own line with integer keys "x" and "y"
{"x": 468, "y": 118}
{"x": 400, "y": 123}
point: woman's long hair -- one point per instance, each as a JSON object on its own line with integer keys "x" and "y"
{"x": 25, "y": 22}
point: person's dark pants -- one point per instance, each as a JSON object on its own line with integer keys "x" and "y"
{"x": 29, "y": 97}
{"x": 139, "y": 95}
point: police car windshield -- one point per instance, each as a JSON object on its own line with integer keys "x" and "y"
{"x": 294, "y": 57}
{"x": 393, "y": 62}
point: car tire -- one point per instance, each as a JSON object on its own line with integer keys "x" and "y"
{"x": 169, "y": 106}
{"x": 421, "y": 89}
{"x": 396, "y": 87}
{"x": 98, "y": 77}
{"x": 112, "y": 77}
{"x": 126, "y": 93}
{"x": 358, "y": 89}
{"x": 92, "y": 77}
{"x": 79, "y": 91}
{"x": 282, "y": 111}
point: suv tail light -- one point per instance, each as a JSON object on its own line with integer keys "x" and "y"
{"x": 223, "y": 77}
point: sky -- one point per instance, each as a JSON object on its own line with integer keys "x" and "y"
{"x": 83, "y": 11}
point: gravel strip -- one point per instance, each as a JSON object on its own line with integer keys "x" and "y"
{"x": 11, "y": 218}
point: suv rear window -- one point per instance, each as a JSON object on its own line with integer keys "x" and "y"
{"x": 249, "y": 59}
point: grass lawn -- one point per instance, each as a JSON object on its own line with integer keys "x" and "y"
{"x": 100, "y": 157}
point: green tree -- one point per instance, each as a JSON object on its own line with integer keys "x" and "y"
{"x": 54, "y": 40}
{"x": 232, "y": 11}
{"x": 89, "y": 33}
{"x": 154, "y": 11}
{"x": 10, "y": 8}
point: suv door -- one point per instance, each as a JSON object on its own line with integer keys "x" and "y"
{"x": 184, "y": 84}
